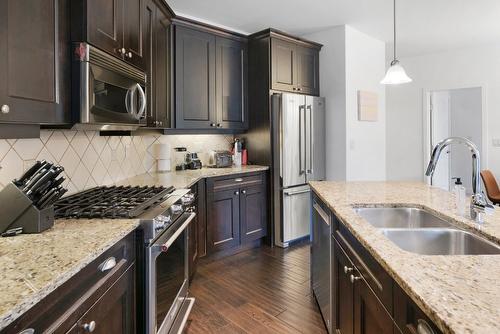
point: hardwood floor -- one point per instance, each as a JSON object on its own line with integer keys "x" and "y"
{"x": 263, "y": 290}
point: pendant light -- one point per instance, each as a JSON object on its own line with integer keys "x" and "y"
{"x": 395, "y": 74}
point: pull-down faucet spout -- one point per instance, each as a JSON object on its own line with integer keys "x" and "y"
{"x": 479, "y": 204}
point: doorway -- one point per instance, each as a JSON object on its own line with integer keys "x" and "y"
{"x": 454, "y": 113}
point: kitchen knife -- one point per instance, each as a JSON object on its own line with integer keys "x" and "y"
{"x": 45, "y": 197}
{"x": 53, "y": 198}
{"x": 56, "y": 171}
{"x": 29, "y": 173}
{"x": 34, "y": 179}
{"x": 53, "y": 183}
{"x": 48, "y": 175}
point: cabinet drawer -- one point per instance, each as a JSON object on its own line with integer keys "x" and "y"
{"x": 233, "y": 182}
{"x": 376, "y": 277}
{"x": 57, "y": 312}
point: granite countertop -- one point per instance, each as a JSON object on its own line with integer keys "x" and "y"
{"x": 186, "y": 178}
{"x": 34, "y": 265}
{"x": 460, "y": 293}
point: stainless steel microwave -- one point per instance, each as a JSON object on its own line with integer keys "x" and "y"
{"x": 107, "y": 93}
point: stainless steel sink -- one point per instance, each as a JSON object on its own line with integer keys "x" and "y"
{"x": 440, "y": 241}
{"x": 402, "y": 217}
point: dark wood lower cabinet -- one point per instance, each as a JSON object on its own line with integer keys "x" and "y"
{"x": 223, "y": 227}
{"x": 343, "y": 291}
{"x": 236, "y": 211}
{"x": 114, "y": 312}
{"x": 370, "y": 315}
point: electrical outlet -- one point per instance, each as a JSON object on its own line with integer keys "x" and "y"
{"x": 496, "y": 142}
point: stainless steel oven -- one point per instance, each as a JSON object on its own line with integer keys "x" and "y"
{"x": 166, "y": 274}
{"x": 107, "y": 93}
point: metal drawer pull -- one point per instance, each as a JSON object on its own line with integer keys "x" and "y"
{"x": 108, "y": 264}
{"x": 424, "y": 328}
{"x": 243, "y": 192}
{"x": 238, "y": 180}
{"x": 27, "y": 331}
{"x": 354, "y": 278}
{"x": 5, "y": 110}
{"x": 347, "y": 269}
{"x": 90, "y": 327}
{"x": 297, "y": 192}
{"x": 236, "y": 193}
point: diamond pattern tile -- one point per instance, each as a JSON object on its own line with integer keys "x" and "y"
{"x": 90, "y": 159}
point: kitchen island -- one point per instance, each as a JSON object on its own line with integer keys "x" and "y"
{"x": 459, "y": 293}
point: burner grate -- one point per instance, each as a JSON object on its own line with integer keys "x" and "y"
{"x": 111, "y": 202}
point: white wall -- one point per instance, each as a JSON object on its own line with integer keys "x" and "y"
{"x": 471, "y": 67}
{"x": 352, "y": 61}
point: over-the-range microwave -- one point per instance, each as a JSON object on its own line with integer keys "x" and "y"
{"x": 107, "y": 93}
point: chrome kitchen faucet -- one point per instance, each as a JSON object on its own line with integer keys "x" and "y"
{"x": 479, "y": 204}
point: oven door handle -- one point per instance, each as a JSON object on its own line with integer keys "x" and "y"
{"x": 163, "y": 245}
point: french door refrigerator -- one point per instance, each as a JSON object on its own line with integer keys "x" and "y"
{"x": 301, "y": 152}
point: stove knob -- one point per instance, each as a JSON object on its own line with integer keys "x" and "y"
{"x": 176, "y": 208}
{"x": 187, "y": 199}
{"x": 158, "y": 225}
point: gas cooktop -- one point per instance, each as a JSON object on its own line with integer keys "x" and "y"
{"x": 111, "y": 202}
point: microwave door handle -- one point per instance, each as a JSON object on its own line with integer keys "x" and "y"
{"x": 128, "y": 101}
{"x": 142, "y": 99}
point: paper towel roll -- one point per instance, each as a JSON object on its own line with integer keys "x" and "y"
{"x": 164, "y": 165}
{"x": 161, "y": 151}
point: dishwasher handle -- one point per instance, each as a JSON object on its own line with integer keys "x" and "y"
{"x": 322, "y": 213}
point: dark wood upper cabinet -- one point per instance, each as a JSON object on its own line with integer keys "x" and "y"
{"x": 104, "y": 25}
{"x": 114, "y": 26}
{"x": 34, "y": 61}
{"x": 157, "y": 50}
{"x": 253, "y": 213}
{"x": 294, "y": 67}
{"x": 223, "y": 223}
{"x": 195, "y": 106}
{"x": 231, "y": 81}
{"x": 284, "y": 65}
{"x": 307, "y": 70}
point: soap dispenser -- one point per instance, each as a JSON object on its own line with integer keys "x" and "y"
{"x": 460, "y": 199}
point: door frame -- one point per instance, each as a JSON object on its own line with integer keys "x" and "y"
{"x": 426, "y": 142}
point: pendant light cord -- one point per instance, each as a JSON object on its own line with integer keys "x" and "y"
{"x": 394, "y": 27}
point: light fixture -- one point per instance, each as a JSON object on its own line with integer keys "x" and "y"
{"x": 395, "y": 74}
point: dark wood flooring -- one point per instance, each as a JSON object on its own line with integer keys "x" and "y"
{"x": 263, "y": 290}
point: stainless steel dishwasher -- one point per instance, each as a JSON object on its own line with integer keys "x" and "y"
{"x": 320, "y": 260}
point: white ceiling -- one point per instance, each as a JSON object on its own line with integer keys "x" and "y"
{"x": 424, "y": 26}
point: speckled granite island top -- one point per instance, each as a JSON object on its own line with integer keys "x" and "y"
{"x": 34, "y": 265}
{"x": 461, "y": 294}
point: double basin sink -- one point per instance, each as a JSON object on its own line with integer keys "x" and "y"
{"x": 419, "y": 231}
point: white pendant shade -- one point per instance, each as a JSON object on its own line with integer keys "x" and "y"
{"x": 395, "y": 75}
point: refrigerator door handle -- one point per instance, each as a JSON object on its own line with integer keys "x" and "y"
{"x": 311, "y": 141}
{"x": 302, "y": 159}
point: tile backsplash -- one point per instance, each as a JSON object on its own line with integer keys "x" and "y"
{"x": 90, "y": 159}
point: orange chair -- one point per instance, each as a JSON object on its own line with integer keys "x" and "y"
{"x": 491, "y": 185}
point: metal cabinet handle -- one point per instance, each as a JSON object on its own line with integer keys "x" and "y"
{"x": 129, "y": 55}
{"x": 122, "y": 51}
{"x": 90, "y": 327}
{"x": 423, "y": 327}
{"x": 5, "y": 109}
{"x": 238, "y": 180}
{"x": 354, "y": 278}
{"x": 219, "y": 125}
{"x": 243, "y": 192}
{"x": 212, "y": 125}
{"x": 348, "y": 269}
{"x": 108, "y": 264}
{"x": 236, "y": 193}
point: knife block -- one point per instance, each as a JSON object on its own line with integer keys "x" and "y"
{"x": 17, "y": 210}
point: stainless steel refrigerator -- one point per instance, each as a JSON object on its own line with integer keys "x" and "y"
{"x": 300, "y": 142}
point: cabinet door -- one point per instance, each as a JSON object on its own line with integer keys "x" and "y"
{"x": 342, "y": 291}
{"x": 105, "y": 25}
{"x": 307, "y": 70}
{"x": 133, "y": 37}
{"x": 193, "y": 247}
{"x": 253, "y": 215}
{"x": 114, "y": 312}
{"x": 231, "y": 80}
{"x": 223, "y": 223}
{"x": 283, "y": 65}
{"x": 157, "y": 30}
{"x": 370, "y": 316}
{"x": 194, "y": 79}
{"x": 34, "y": 61}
